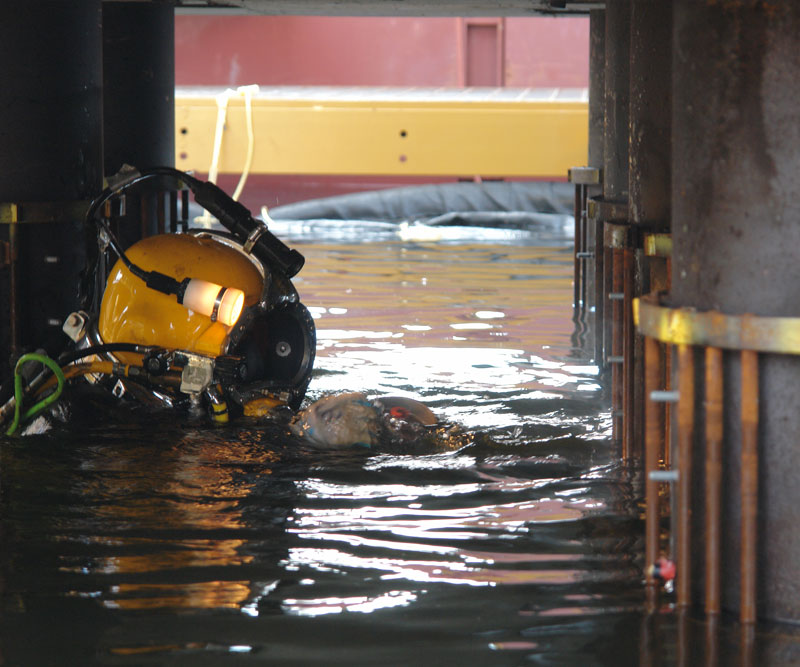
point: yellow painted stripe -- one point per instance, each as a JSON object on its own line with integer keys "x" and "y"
{"x": 687, "y": 326}
{"x": 392, "y": 135}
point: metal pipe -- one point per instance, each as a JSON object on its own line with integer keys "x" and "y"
{"x": 749, "y": 481}
{"x": 713, "y": 418}
{"x": 684, "y": 657}
{"x": 160, "y": 212}
{"x": 599, "y": 295}
{"x": 652, "y": 443}
{"x": 594, "y": 228}
{"x": 629, "y": 442}
{"x": 685, "y": 436}
{"x": 13, "y": 289}
{"x": 666, "y": 373}
{"x": 747, "y": 646}
{"x": 144, "y": 213}
{"x": 173, "y": 211}
{"x": 575, "y": 250}
{"x": 584, "y": 248}
{"x": 712, "y": 641}
{"x": 184, "y": 209}
{"x": 618, "y": 284}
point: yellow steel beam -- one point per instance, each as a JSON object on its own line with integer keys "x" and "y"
{"x": 392, "y": 134}
{"x": 687, "y": 326}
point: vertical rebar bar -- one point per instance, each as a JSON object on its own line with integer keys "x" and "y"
{"x": 576, "y": 259}
{"x": 584, "y": 246}
{"x": 747, "y": 646}
{"x": 173, "y": 211}
{"x": 684, "y": 656}
{"x": 608, "y": 287}
{"x": 712, "y": 641}
{"x": 749, "y": 482}
{"x": 685, "y": 436}
{"x": 144, "y": 209}
{"x": 666, "y": 451}
{"x": 628, "y": 354}
{"x": 160, "y": 212}
{"x": 599, "y": 296}
{"x": 713, "y": 491}
{"x": 13, "y": 289}
{"x": 652, "y": 445}
{"x": 617, "y": 335}
{"x": 184, "y": 209}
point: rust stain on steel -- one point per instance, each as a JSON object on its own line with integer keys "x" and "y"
{"x": 652, "y": 449}
{"x": 685, "y": 437}
{"x": 713, "y": 419}
{"x": 628, "y": 331}
{"x": 749, "y": 482}
{"x": 617, "y": 333}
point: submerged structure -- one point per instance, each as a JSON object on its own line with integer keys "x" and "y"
{"x": 686, "y": 214}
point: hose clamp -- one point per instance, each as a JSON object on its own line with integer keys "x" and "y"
{"x": 217, "y": 302}
{"x": 253, "y": 236}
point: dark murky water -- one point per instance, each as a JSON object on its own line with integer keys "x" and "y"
{"x": 168, "y": 542}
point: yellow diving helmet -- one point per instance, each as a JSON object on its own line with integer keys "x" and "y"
{"x": 132, "y": 312}
{"x": 200, "y": 313}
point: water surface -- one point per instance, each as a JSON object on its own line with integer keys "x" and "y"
{"x": 513, "y": 540}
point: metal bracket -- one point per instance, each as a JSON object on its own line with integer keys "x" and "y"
{"x": 669, "y": 476}
{"x": 598, "y": 208}
{"x": 617, "y": 235}
{"x": 33, "y": 212}
{"x": 687, "y": 326}
{"x": 253, "y": 236}
{"x": 658, "y": 245}
{"x": 662, "y": 396}
{"x": 197, "y": 373}
{"x": 585, "y": 175}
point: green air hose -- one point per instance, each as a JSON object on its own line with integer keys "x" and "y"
{"x": 20, "y": 418}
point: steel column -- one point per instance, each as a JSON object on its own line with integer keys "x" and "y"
{"x": 650, "y": 114}
{"x": 597, "y": 59}
{"x": 139, "y": 103}
{"x": 649, "y": 181}
{"x": 51, "y": 143}
{"x": 138, "y": 84}
{"x": 735, "y": 195}
{"x": 617, "y": 100}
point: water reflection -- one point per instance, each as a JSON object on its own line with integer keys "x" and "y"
{"x": 517, "y": 540}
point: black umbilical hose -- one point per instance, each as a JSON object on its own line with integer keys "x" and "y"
{"x": 254, "y": 235}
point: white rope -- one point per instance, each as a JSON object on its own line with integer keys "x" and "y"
{"x": 222, "y": 112}
{"x": 248, "y": 92}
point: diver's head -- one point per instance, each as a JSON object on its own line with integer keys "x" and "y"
{"x": 339, "y": 421}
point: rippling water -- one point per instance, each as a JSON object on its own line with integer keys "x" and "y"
{"x": 514, "y": 542}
